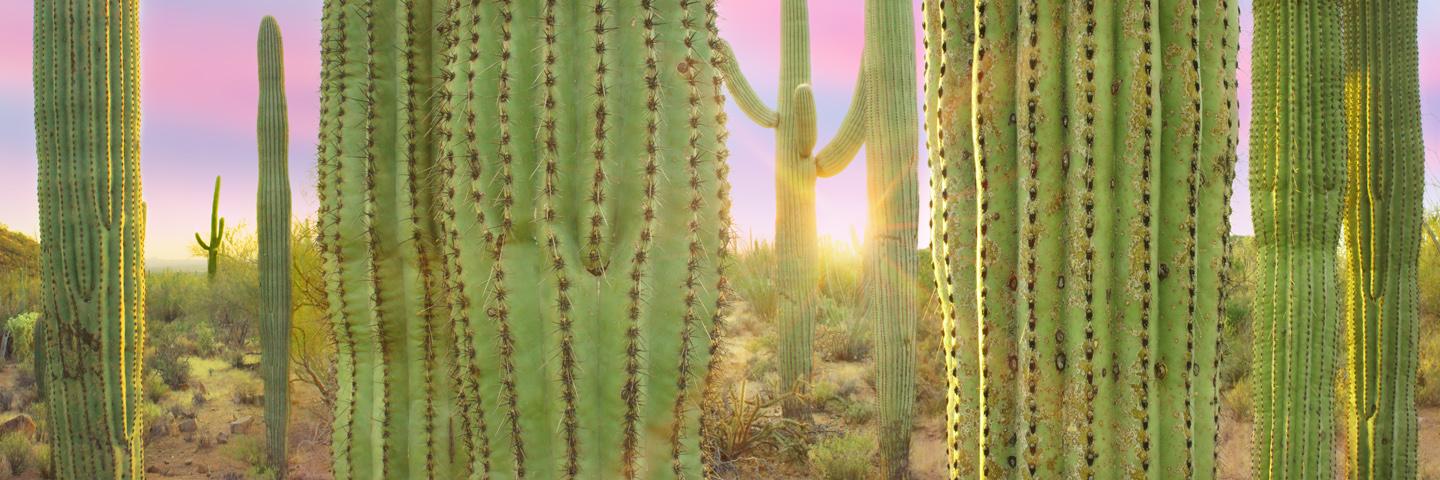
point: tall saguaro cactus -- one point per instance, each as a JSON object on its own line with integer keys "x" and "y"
{"x": 587, "y": 227}
{"x": 92, "y": 232}
{"x": 273, "y": 207}
{"x": 797, "y": 165}
{"x": 1383, "y": 218}
{"x": 381, "y": 68}
{"x": 1297, "y": 178}
{"x": 217, "y": 235}
{"x": 1081, "y": 156}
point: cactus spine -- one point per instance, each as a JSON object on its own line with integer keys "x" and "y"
{"x": 796, "y": 168}
{"x": 380, "y": 69}
{"x": 587, "y": 228}
{"x": 92, "y": 226}
{"x": 1081, "y": 157}
{"x": 1383, "y": 217}
{"x": 1297, "y": 178}
{"x": 273, "y": 205}
{"x": 217, "y": 235}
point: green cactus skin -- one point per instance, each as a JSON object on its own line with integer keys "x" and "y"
{"x": 273, "y": 225}
{"x": 1297, "y": 180}
{"x": 587, "y": 232}
{"x": 892, "y": 135}
{"x": 1081, "y": 156}
{"x": 1383, "y": 218}
{"x": 393, "y": 418}
{"x": 92, "y": 230}
{"x": 217, "y": 235}
{"x": 797, "y": 167}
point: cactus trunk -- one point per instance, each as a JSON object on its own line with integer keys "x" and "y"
{"x": 586, "y": 212}
{"x": 273, "y": 207}
{"x": 1383, "y": 218}
{"x": 92, "y": 226}
{"x": 1297, "y": 179}
{"x": 380, "y": 77}
{"x": 217, "y": 236}
{"x": 1081, "y": 158}
{"x": 892, "y": 135}
{"x": 495, "y": 180}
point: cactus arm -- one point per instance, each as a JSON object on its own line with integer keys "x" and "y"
{"x": 273, "y": 231}
{"x": 744, "y": 95}
{"x": 804, "y": 138}
{"x": 841, "y": 150}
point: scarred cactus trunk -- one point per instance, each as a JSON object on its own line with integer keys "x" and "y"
{"x": 1297, "y": 178}
{"x": 587, "y": 225}
{"x": 1081, "y": 157}
{"x": 92, "y": 232}
{"x": 273, "y": 207}
{"x": 1383, "y": 218}
{"x": 395, "y": 409}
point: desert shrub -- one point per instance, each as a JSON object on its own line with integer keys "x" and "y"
{"x": 1238, "y": 400}
{"x": 19, "y": 273}
{"x": 169, "y": 364}
{"x": 19, "y": 453}
{"x": 753, "y": 278}
{"x": 311, "y": 345}
{"x": 20, "y": 332}
{"x": 744, "y": 428}
{"x": 843, "y": 457}
{"x": 1427, "y": 388}
{"x": 841, "y": 335}
{"x": 249, "y": 450}
{"x": 155, "y": 386}
{"x": 857, "y": 412}
{"x": 169, "y": 295}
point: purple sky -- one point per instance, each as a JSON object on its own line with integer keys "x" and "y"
{"x": 199, "y": 97}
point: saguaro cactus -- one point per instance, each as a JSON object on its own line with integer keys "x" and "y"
{"x": 1081, "y": 158}
{"x": 381, "y": 63}
{"x": 1383, "y": 218}
{"x": 1297, "y": 178}
{"x": 273, "y": 223}
{"x": 217, "y": 235}
{"x": 587, "y": 230}
{"x": 92, "y": 232}
{"x": 796, "y": 167}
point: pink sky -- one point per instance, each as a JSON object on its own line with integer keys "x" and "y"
{"x": 199, "y": 91}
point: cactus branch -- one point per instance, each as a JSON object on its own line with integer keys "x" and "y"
{"x": 848, "y": 139}
{"x": 742, "y": 92}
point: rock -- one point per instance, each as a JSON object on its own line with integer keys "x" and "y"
{"x": 21, "y": 424}
{"x": 155, "y": 469}
{"x": 190, "y": 438}
{"x": 188, "y": 425}
{"x": 157, "y": 430}
{"x": 201, "y": 469}
{"x": 189, "y": 462}
{"x": 242, "y": 425}
{"x": 222, "y": 438}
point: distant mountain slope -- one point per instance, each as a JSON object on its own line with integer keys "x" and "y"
{"x": 18, "y": 252}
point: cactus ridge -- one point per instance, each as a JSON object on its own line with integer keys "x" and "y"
{"x": 1082, "y": 351}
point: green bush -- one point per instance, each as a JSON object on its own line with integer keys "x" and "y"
{"x": 169, "y": 295}
{"x": 169, "y": 364}
{"x": 19, "y": 453}
{"x": 1427, "y": 388}
{"x": 844, "y": 457}
{"x": 20, "y": 329}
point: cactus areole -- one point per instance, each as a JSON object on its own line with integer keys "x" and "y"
{"x": 1383, "y": 219}
{"x": 494, "y": 180}
{"x": 1081, "y": 156}
{"x": 92, "y": 233}
{"x": 273, "y": 215}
